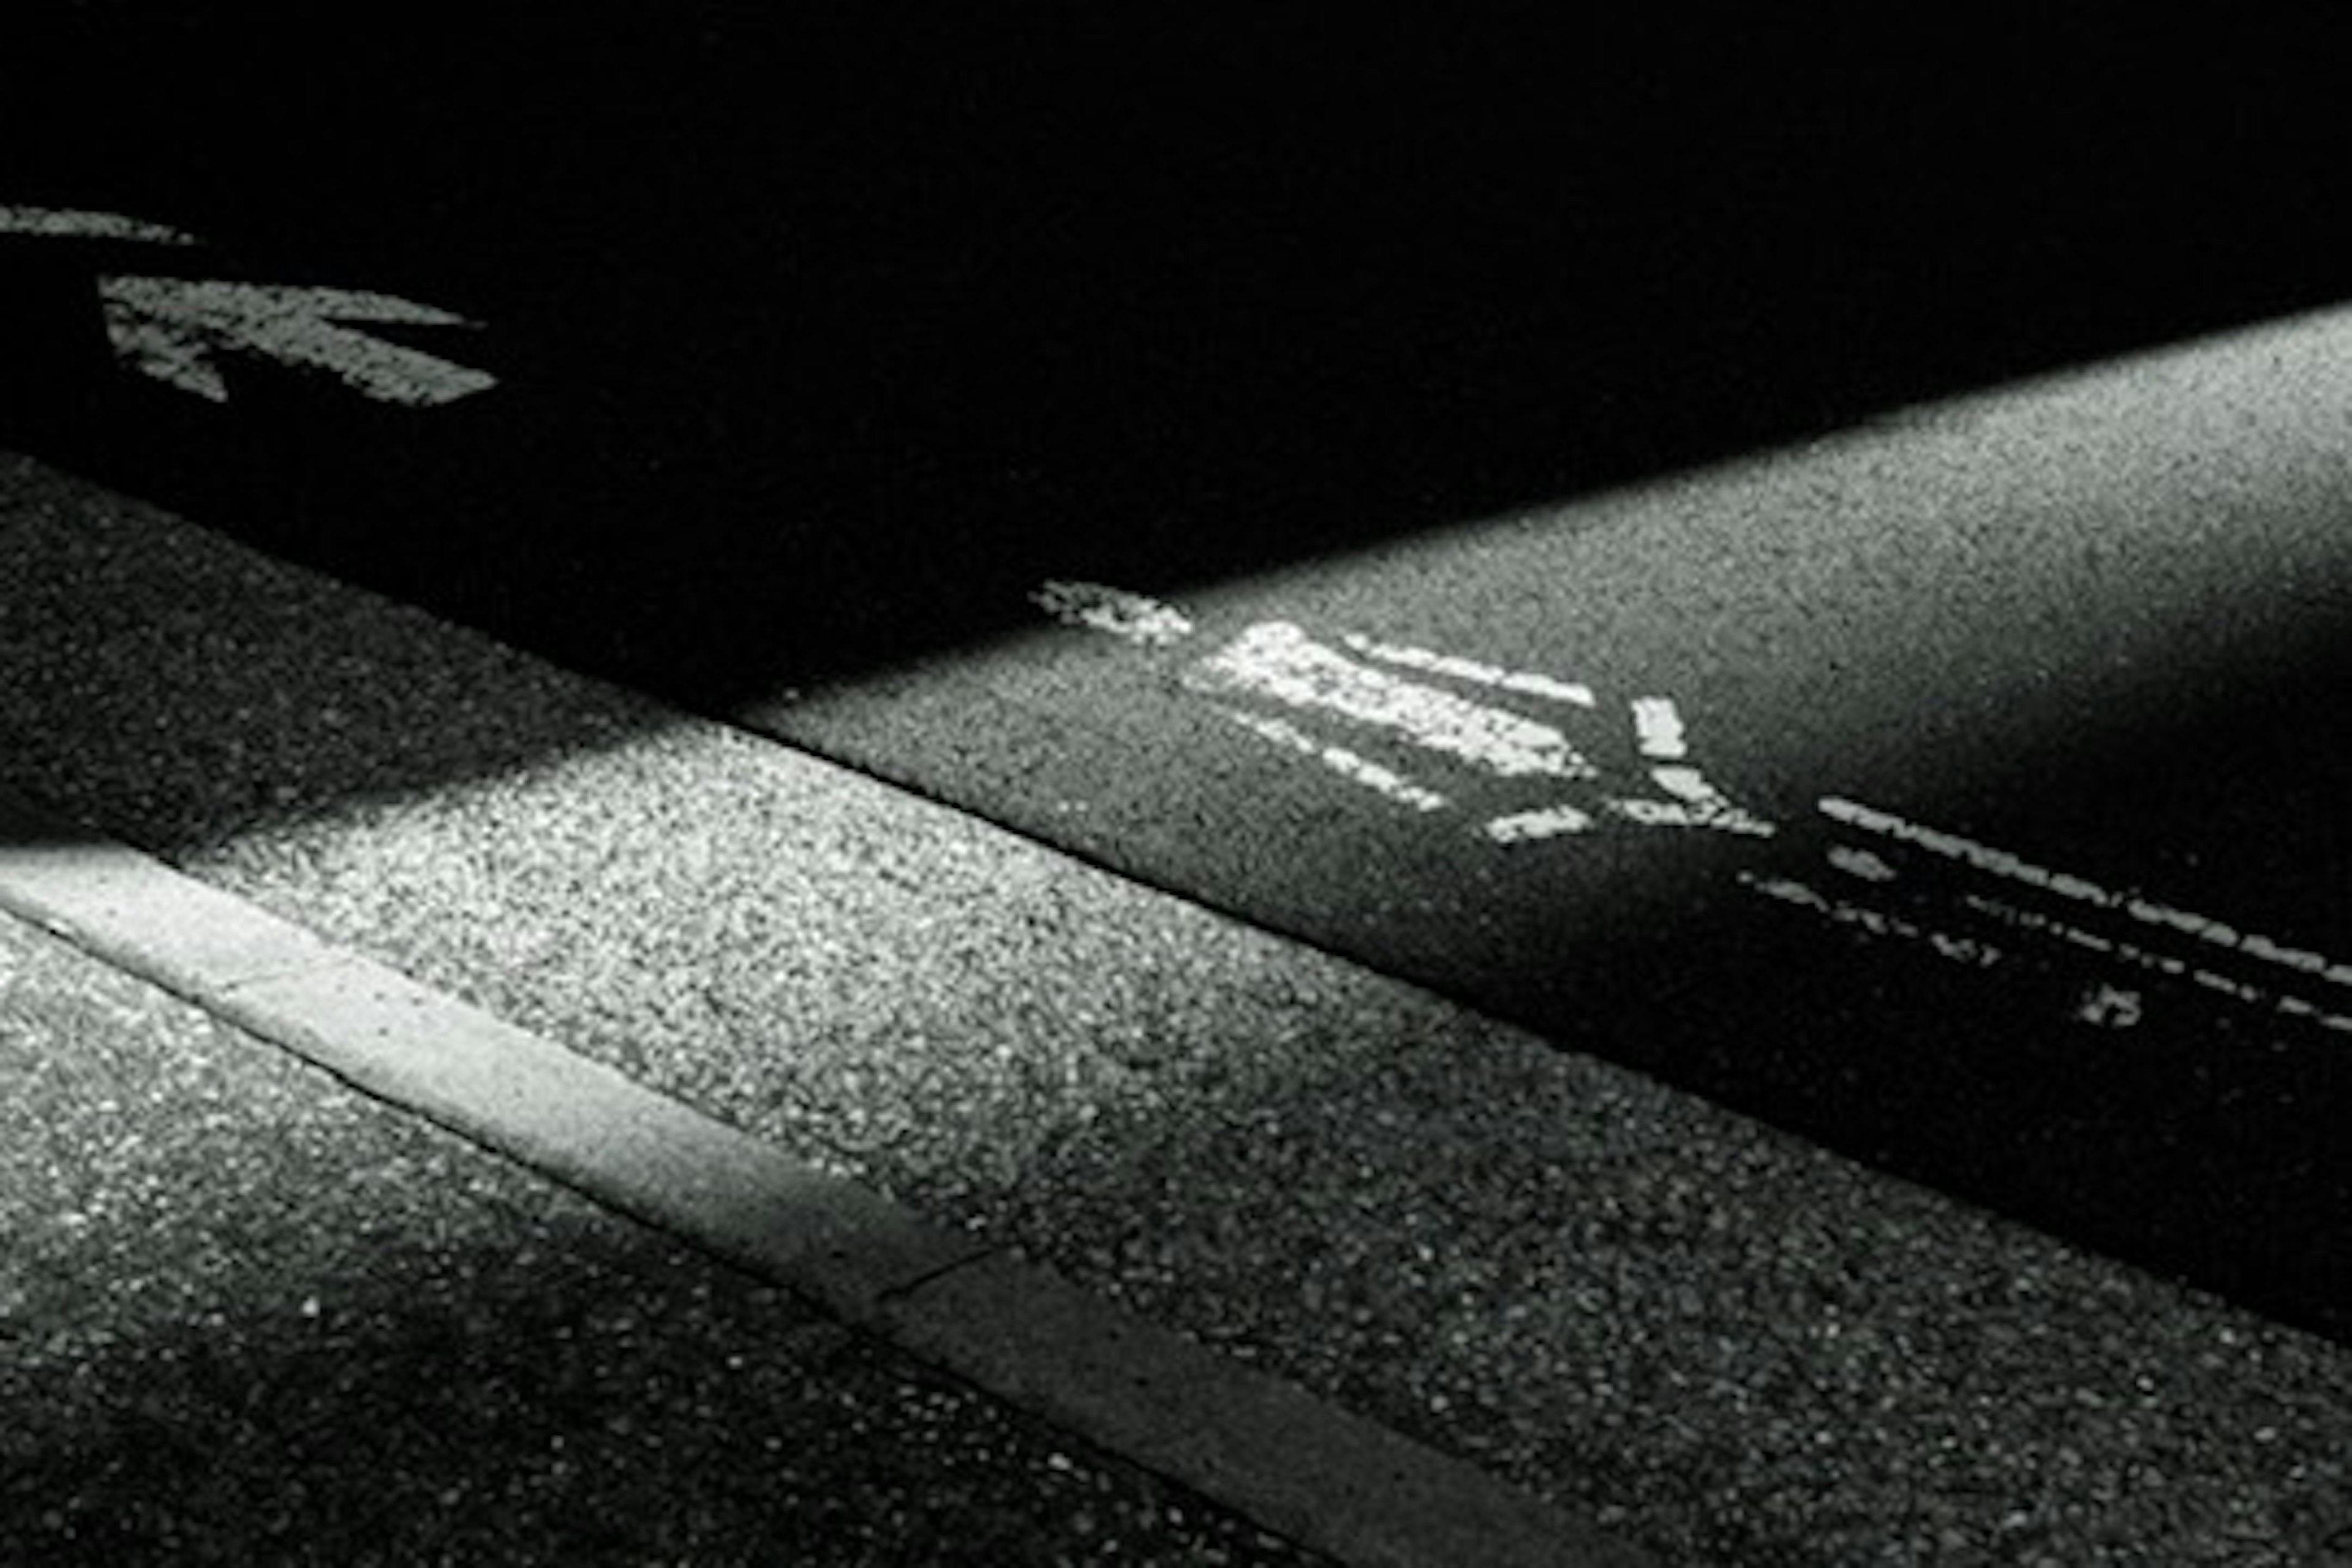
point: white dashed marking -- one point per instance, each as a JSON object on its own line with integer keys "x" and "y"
{"x": 1860, "y": 863}
{"x": 1361, "y": 770}
{"x": 1550, "y": 823}
{"x": 2148, "y": 911}
{"x": 1471, "y": 670}
{"x": 1963, "y": 950}
{"x": 2162, "y": 963}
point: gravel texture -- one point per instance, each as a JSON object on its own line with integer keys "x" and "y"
{"x": 1731, "y": 1347}
{"x": 246, "y": 1316}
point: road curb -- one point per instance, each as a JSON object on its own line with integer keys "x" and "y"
{"x": 1296, "y": 1465}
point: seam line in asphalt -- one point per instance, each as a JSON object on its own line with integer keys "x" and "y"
{"x": 1290, "y": 1461}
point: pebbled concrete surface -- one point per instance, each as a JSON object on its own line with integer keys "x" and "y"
{"x": 248, "y": 1316}
{"x": 1301, "y": 1468}
{"x": 1732, "y": 1347}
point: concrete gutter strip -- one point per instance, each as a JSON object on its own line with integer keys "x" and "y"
{"x": 580, "y": 1121}
{"x": 1297, "y": 1466}
{"x": 1330, "y": 1479}
{"x": 591, "y": 1126}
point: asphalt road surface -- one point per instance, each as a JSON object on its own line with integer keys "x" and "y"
{"x": 1826, "y": 584}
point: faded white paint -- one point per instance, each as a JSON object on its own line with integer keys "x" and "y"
{"x": 2162, "y": 963}
{"x": 1277, "y": 659}
{"x": 1551, "y": 822}
{"x": 1658, "y": 728}
{"x": 1969, "y": 951}
{"x": 1860, "y": 863}
{"x": 75, "y": 223}
{"x": 2074, "y": 935}
{"x": 1484, "y": 674}
{"x": 2104, "y": 1002}
{"x": 1339, "y": 760}
{"x": 1696, "y": 803}
{"x": 2001, "y": 863}
{"x": 171, "y": 328}
{"x": 1132, "y": 617}
{"x": 2108, "y": 1005}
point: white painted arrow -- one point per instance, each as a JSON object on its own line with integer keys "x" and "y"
{"x": 170, "y": 329}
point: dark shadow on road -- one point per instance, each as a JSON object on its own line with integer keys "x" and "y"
{"x": 820, "y": 347}
{"x": 517, "y": 1391}
{"x": 821, "y": 342}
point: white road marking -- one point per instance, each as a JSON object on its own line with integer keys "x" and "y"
{"x": 1658, "y": 728}
{"x": 1278, "y": 659}
{"x": 2093, "y": 941}
{"x": 1696, "y": 804}
{"x": 1964, "y": 950}
{"x": 170, "y": 329}
{"x": 1132, "y": 617}
{"x": 1550, "y": 823}
{"x": 74, "y": 223}
{"x": 1860, "y": 863}
{"x": 2163, "y": 963}
{"x": 2104, "y": 1002}
{"x": 2109, "y": 1007}
{"x": 1361, "y": 770}
{"x": 2001, "y": 863}
{"x": 1471, "y": 670}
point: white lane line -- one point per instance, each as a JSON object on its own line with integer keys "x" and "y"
{"x": 1861, "y": 863}
{"x": 76, "y": 223}
{"x": 1972, "y": 951}
{"x": 171, "y": 328}
{"x": 1471, "y": 670}
{"x": 1095, "y": 607}
{"x": 1965, "y": 950}
{"x": 1552, "y": 821}
{"x": 1278, "y": 659}
{"x": 2001, "y": 863}
{"x": 1339, "y": 760}
{"x": 2165, "y": 963}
